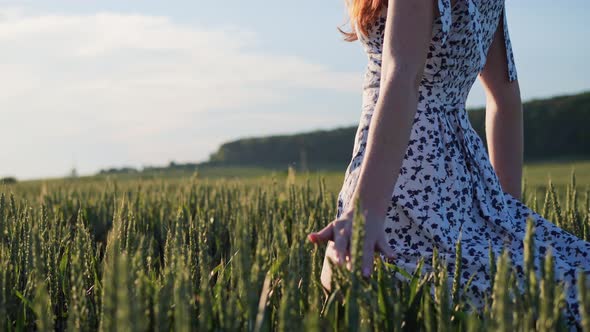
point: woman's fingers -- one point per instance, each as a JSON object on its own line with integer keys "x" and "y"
{"x": 341, "y": 244}
{"x": 325, "y": 234}
{"x": 369, "y": 254}
{"x": 340, "y": 231}
{"x": 348, "y": 261}
{"x": 368, "y": 257}
{"x": 385, "y": 248}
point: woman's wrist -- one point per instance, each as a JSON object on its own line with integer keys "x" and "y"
{"x": 368, "y": 215}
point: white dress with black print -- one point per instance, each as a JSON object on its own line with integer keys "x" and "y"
{"x": 446, "y": 185}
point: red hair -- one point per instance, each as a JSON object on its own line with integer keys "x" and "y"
{"x": 362, "y": 14}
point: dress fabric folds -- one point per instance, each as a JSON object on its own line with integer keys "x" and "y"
{"x": 446, "y": 186}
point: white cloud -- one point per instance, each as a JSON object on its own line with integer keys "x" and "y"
{"x": 72, "y": 83}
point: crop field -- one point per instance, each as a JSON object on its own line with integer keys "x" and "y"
{"x": 227, "y": 252}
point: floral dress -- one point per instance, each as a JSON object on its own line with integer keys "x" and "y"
{"x": 446, "y": 185}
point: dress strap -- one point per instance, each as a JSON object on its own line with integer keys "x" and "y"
{"x": 509, "y": 54}
{"x": 476, "y": 30}
{"x": 446, "y": 16}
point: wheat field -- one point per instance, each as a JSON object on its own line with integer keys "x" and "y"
{"x": 230, "y": 254}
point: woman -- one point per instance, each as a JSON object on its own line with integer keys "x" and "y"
{"x": 421, "y": 172}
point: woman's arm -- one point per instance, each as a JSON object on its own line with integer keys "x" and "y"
{"x": 407, "y": 35}
{"x": 408, "y": 32}
{"x": 504, "y": 124}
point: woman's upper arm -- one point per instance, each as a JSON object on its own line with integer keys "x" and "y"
{"x": 407, "y": 36}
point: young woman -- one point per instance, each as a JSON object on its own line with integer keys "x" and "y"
{"x": 421, "y": 173}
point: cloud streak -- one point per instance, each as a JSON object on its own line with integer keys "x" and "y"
{"x": 107, "y": 87}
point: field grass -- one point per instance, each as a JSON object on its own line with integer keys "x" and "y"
{"x": 206, "y": 251}
{"x": 536, "y": 174}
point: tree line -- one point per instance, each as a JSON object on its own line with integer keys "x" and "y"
{"x": 557, "y": 128}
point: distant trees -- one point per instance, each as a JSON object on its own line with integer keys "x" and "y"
{"x": 555, "y": 128}
{"x": 306, "y": 150}
{"x": 122, "y": 170}
{"x": 8, "y": 180}
{"x": 132, "y": 170}
{"x": 172, "y": 166}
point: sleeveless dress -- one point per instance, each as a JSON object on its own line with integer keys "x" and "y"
{"x": 446, "y": 185}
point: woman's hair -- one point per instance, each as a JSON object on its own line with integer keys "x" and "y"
{"x": 361, "y": 14}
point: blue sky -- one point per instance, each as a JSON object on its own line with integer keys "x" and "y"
{"x": 95, "y": 84}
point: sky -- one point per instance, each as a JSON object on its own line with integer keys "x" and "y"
{"x": 95, "y": 84}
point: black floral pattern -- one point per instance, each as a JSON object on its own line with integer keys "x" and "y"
{"x": 446, "y": 186}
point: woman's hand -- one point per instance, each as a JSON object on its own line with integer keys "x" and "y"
{"x": 340, "y": 231}
{"x": 406, "y": 43}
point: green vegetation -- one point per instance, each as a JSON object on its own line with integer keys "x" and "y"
{"x": 330, "y": 150}
{"x": 8, "y": 180}
{"x": 537, "y": 175}
{"x": 554, "y": 129}
{"x": 214, "y": 253}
